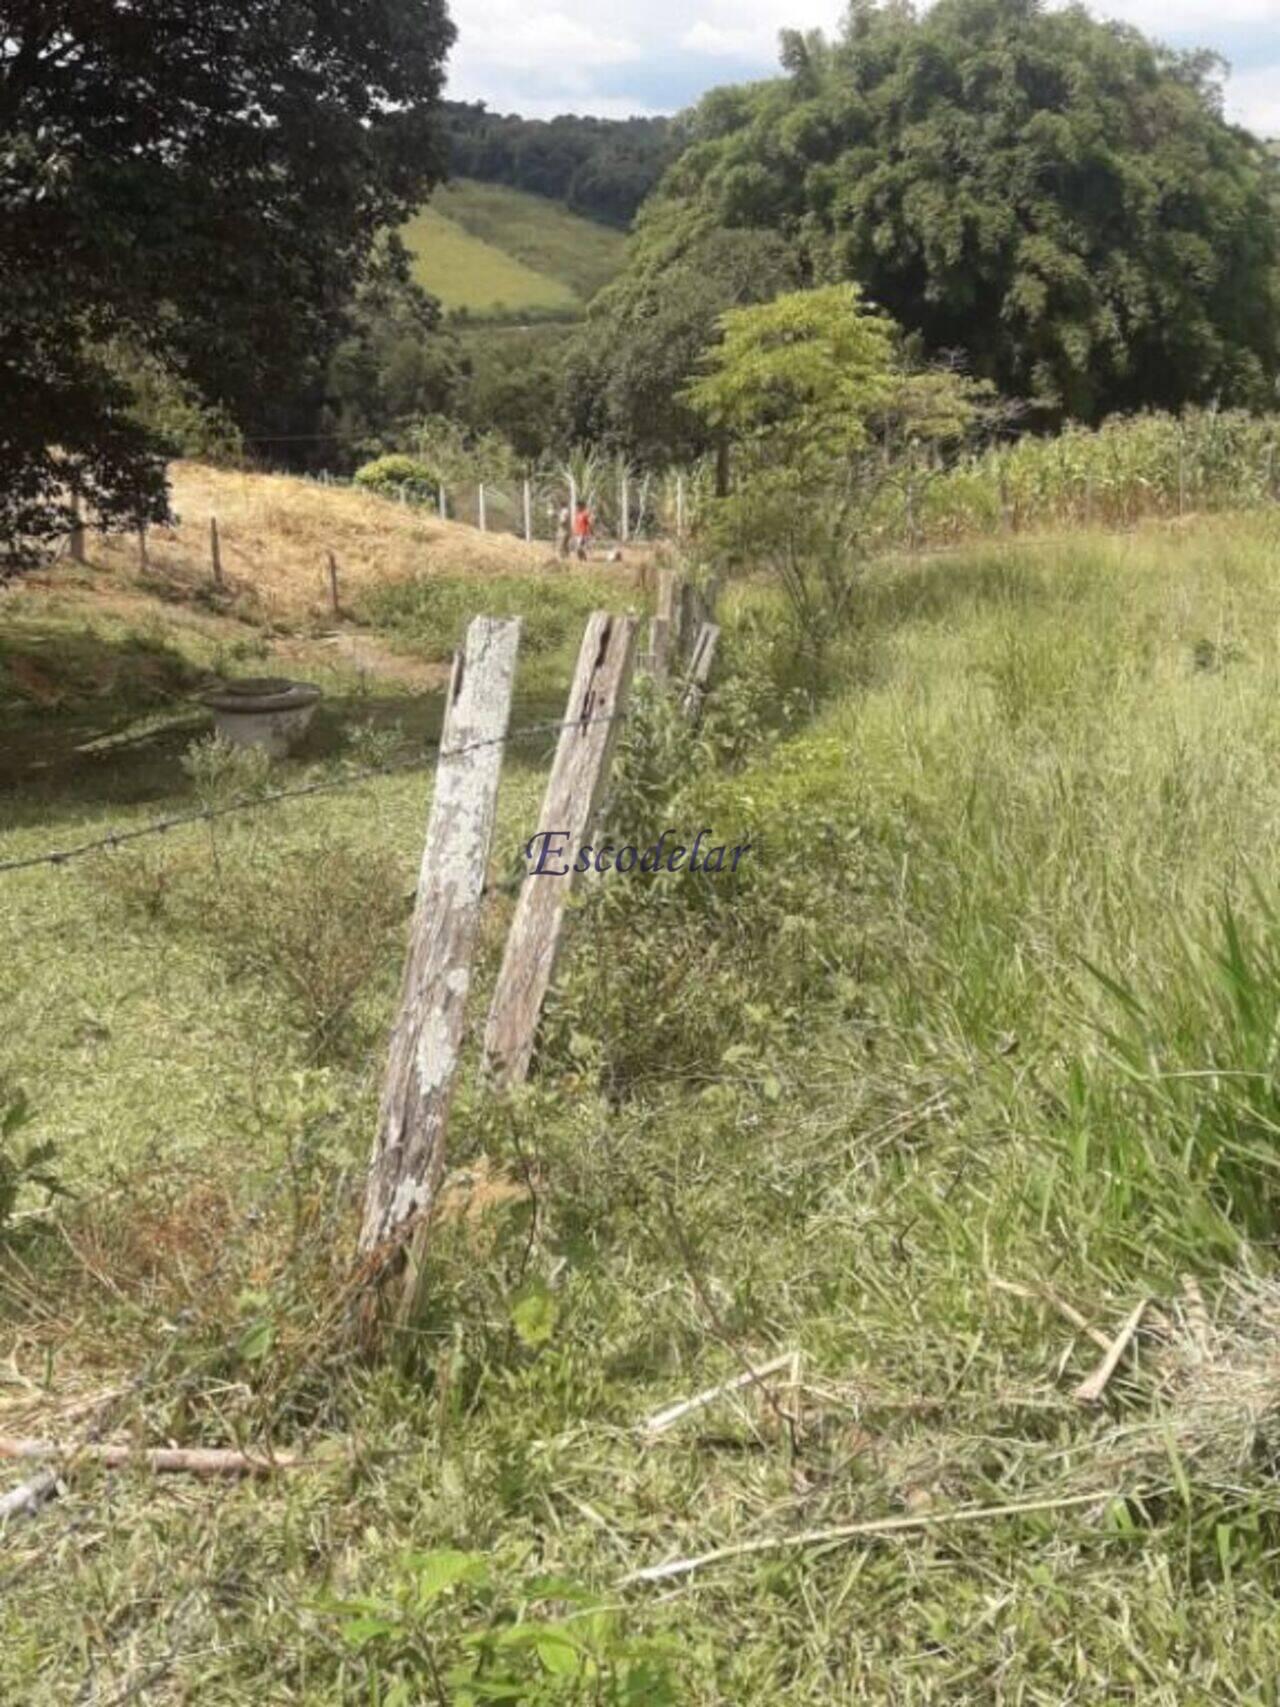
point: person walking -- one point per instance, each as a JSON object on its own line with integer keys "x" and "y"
{"x": 583, "y": 530}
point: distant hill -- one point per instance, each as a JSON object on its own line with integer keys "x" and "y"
{"x": 499, "y": 254}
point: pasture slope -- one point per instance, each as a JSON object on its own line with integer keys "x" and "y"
{"x": 502, "y": 254}
{"x": 973, "y": 1055}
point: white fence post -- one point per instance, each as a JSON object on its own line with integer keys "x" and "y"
{"x": 444, "y": 512}
{"x": 408, "y": 1152}
{"x": 481, "y": 505}
{"x": 578, "y": 775}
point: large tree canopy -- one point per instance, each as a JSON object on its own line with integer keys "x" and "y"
{"x": 625, "y": 373}
{"x": 1057, "y": 197}
{"x": 204, "y": 180}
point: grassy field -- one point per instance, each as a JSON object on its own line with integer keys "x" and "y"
{"x": 975, "y": 1053}
{"x": 498, "y": 253}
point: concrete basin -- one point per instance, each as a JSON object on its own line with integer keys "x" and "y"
{"x": 262, "y": 711}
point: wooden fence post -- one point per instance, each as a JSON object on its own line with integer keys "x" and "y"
{"x": 574, "y": 790}
{"x": 75, "y": 540}
{"x": 333, "y": 585}
{"x": 142, "y": 550}
{"x": 679, "y": 506}
{"x": 624, "y": 511}
{"x": 480, "y": 505}
{"x": 700, "y": 662}
{"x": 688, "y": 619}
{"x": 670, "y": 603}
{"x": 215, "y": 551}
{"x": 528, "y": 514}
{"x": 408, "y": 1153}
{"x": 659, "y": 647}
{"x": 444, "y": 512}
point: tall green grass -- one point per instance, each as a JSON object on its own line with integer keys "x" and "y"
{"x": 992, "y": 1004}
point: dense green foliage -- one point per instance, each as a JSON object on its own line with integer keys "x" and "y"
{"x": 188, "y": 180}
{"x": 603, "y": 168}
{"x": 624, "y": 376}
{"x": 814, "y": 398}
{"x": 1058, "y": 198}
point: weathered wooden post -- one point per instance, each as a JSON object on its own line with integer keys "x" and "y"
{"x": 700, "y": 662}
{"x": 333, "y": 585}
{"x": 688, "y": 618}
{"x": 75, "y": 539}
{"x": 408, "y": 1153}
{"x": 679, "y": 506}
{"x": 574, "y": 791}
{"x": 659, "y": 647}
{"x": 142, "y": 550}
{"x": 444, "y": 513}
{"x": 480, "y": 501}
{"x": 624, "y": 509}
{"x": 670, "y": 602}
{"x": 528, "y": 514}
{"x": 215, "y": 551}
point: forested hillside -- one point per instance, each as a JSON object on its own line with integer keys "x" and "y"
{"x": 601, "y": 168}
{"x": 1055, "y": 202}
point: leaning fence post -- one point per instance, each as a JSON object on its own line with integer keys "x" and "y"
{"x": 408, "y": 1152}
{"x": 700, "y": 662}
{"x": 585, "y": 748}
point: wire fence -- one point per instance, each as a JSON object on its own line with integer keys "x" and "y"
{"x": 626, "y": 507}
{"x": 274, "y": 797}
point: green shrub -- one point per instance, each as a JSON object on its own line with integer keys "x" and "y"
{"x": 392, "y": 476}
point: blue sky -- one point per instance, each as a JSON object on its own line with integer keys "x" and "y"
{"x": 655, "y": 56}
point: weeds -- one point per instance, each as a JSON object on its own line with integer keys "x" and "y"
{"x": 994, "y": 1002}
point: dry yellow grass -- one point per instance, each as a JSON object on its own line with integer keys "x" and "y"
{"x": 276, "y": 532}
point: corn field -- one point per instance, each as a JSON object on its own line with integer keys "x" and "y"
{"x": 1130, "y": 468}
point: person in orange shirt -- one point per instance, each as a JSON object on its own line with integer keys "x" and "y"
{"x": 583, "y": 530}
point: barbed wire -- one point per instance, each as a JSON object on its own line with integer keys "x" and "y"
{"x": 273, "y": 797}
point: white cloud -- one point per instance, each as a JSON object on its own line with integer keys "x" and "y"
{"x": 651, "y": 55}
{"x": 1253, "y": 98}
